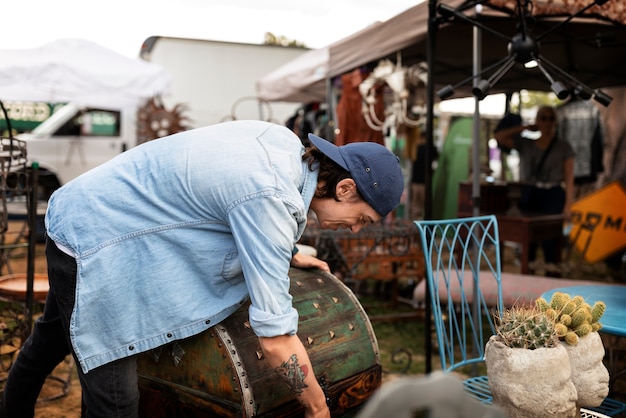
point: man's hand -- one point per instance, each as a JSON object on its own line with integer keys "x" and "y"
{"x": 303, "y": 261}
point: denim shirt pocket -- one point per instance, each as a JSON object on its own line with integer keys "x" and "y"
{"x": 231, "y": 268}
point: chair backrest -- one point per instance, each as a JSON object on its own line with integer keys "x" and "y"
{"x": 457, "y": 251}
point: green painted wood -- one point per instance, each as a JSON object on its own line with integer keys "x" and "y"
{"x": 223, "y": 371}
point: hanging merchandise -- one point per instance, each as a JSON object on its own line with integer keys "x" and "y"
{"x": 404, "y": 83}
{"x": 352, "y": 127}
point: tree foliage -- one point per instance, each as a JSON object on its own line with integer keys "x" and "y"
{"x": 272, "y": 39}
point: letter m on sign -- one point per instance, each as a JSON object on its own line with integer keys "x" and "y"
{"x": 599, "y": 222}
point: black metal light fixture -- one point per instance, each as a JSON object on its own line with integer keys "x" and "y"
{"x": 523, "y": 49}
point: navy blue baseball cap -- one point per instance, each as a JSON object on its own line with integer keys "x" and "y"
{"x": 375, "y": 170}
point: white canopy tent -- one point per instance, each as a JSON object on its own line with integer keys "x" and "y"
{"x": 300, "y": 80}
{"x": 80, "y": 71}
{"x": 305, "y": 78}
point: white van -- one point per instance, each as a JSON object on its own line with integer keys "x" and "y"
{"x": 75, "y": 139}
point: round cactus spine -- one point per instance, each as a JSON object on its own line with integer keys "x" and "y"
{"x": 526, "y": 327}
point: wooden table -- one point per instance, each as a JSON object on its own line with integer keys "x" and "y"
{"x": 514, "y": 225}
{"x": 526, "y": 228}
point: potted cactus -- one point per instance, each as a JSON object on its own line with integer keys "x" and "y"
{"x": 528, "y": 368}
{"x": 546, "y": 359}
{"x": 577, "y": 324}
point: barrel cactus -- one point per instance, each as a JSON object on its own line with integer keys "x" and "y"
{"x": 574, "y": 318}
{"x": 526, "y": 327}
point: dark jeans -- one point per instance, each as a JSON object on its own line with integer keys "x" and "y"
{"x": 550, "y": 202}
{"x": 108, "y": 391}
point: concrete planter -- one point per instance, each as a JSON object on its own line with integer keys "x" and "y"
{"x": 589, "y": 375}
{"x": 531, "y": 383}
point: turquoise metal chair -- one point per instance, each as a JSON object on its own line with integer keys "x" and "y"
{"x": 459, "y": 254}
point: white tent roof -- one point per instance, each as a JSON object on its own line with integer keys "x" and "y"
{"x": 300, "y": 80}
{"x": 290, "y": 82}
{"x": 80, "y": 71}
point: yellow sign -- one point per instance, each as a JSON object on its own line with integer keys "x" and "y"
{"x": 599, "y": 222}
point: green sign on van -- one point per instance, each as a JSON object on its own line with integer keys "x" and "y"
{"x": 25, "y": 116}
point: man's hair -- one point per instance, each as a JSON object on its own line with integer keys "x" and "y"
{"x": 330, "y": 173}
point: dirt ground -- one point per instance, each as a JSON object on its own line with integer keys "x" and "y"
{"x": 64, "y": 379}
{"x": 68, "y": 406}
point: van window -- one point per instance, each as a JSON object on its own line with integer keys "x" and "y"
{"x": 92, "y": 123}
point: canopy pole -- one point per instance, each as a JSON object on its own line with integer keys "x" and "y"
{"x": 428, "y": 189}
{"x": 477, "y": 52}
{"x": 331, "y": 103}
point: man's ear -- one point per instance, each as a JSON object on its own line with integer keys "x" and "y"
{"x": 346, "y": 188}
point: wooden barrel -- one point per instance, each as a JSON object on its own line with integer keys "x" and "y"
{"x": 222, "y": 372}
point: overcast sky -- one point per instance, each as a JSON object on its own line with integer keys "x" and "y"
{"x": 122, "y": 25}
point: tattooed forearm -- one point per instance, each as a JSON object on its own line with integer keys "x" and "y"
{"x": 293, "y": 374}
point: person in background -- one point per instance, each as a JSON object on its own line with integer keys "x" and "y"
{"x": 418, "y": 176}
{"x": 547, "y": 167}
{"x": 171, "y": 237}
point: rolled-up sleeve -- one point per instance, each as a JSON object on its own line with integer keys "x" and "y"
{"x": 264, "y": 227}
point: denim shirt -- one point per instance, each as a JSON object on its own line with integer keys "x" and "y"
{"x": 174, "y": 235}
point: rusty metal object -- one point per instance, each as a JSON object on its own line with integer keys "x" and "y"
{"x": 155, "y": 121}
{"x": 223, "y": 373}
{"x": 384, "y": 251}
